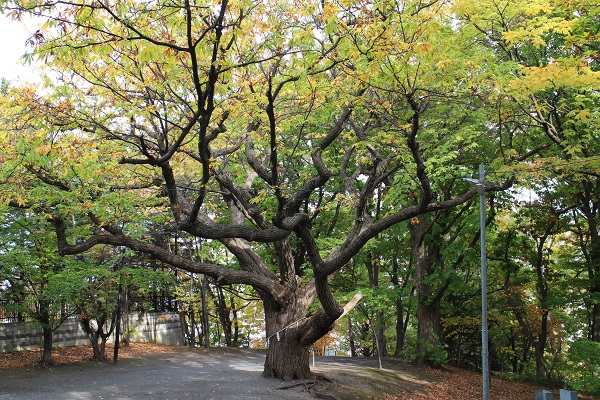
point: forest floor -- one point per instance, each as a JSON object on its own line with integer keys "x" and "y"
{"x": 346, "y": 378}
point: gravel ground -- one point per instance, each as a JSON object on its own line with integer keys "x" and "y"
{"x": 146, "y": 371}
{"x": 190, "y": 374}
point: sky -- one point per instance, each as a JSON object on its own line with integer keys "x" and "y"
{"x": 15, "y": 35}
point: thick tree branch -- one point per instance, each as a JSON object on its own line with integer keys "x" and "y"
{"x": 222, "y": 274}
{"x": 205, "y": 228}
{"x": 359, "y": 236}
{"x": 413, "y": 145}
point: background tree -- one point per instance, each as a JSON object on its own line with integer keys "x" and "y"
{"x": 551, "y": 51}
{"x": 30, "y": 272}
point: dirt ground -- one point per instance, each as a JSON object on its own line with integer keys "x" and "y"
{"x": 346, "y": 378}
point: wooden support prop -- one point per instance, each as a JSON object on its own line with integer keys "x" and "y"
{"x": 351, "y": 304}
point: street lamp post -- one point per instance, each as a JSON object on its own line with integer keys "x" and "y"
{"x": 484, "y": 323}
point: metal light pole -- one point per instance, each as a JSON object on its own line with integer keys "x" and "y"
{"x": 484, "y": 323}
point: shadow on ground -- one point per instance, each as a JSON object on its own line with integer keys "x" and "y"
{"x": 147, "y": 371}
{"x": 361, "y": 378}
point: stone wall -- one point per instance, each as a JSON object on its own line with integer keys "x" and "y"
{"x": 159, "y": 328}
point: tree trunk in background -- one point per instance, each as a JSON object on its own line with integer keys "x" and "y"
{"x": 47, "y": 333}
{"x": 595, "y": 328}
{"x": 43, "y": 317}
{"x": 351, "y": 338}
{"x": 118, "y": 324}
{"x": 541, "y": 269}
{"x": 380, "y": 333}
{"x": 372, "y": 263}
{"x": 594, "y": 274}
{"x": 224, "y": 315}
{"x": 589, "y": 207}
{"x": 236, "y": 322}
{"x": 401, "y": 318}
{"x": 204, "y": 324}
{"x": 47, "y": 353}
{"x": 97, "y": 335}
{"x": 400, "y": 331}
{"x": 429, "y": 327}
{"x": 401, "y": 327}
{"x": 125, "y": 318}
{"x": 192, "y": 330}
{"x": 93, "y": 336}
{"x": 589, "y": 238}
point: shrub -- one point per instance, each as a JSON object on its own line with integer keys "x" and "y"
{"x": 582, "y": 367}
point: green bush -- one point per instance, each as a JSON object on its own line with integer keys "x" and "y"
{"x": 9, "y": 348}
{"x": 437, "y": 356}
{"x": 582, "y": 367}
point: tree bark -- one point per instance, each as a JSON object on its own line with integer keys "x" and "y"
{"x": 429, "y": 326}
{"x": 224, "y": 315}
{"x": 372, "y": 263}
{"x": 594, "y": 273}
{"x": 595, "y": 325}
{"x": 351, "y": 338}
{"x": 287, "y": 358}
{"x": 47, "y": 331}
{"x": 48, "y": 334}
{"x": 290, "y": 333}
{"x": 401, "y": 318}
{"x": 204, "y": 320}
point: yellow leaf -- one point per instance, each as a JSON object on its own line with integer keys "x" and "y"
{"x": 583, "y": 114}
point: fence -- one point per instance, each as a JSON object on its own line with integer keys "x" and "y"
{"x": 159, "y": 328}
{"x": 14, "y": 310}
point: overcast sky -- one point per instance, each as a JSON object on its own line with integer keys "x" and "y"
{"x": 15, "y": 35}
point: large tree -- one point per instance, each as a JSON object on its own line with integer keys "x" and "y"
{"x": 268, "y": 127}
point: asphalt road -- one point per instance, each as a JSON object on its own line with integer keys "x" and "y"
{"x": 185, "y": 374}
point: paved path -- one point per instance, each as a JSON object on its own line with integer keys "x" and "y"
{"x": 185, "y": 374}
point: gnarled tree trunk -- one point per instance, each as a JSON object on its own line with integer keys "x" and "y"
{"x": 291, "y": 333}
{"x": 287, "y": 358}
{"x": 287, "y": 351}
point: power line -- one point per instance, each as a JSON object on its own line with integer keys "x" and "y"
{"x": 552, "y": 166}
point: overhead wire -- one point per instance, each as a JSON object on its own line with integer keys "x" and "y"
{"x": 521, "y": 169}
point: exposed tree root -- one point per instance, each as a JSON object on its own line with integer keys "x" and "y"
{"x": 313, "y": 387}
